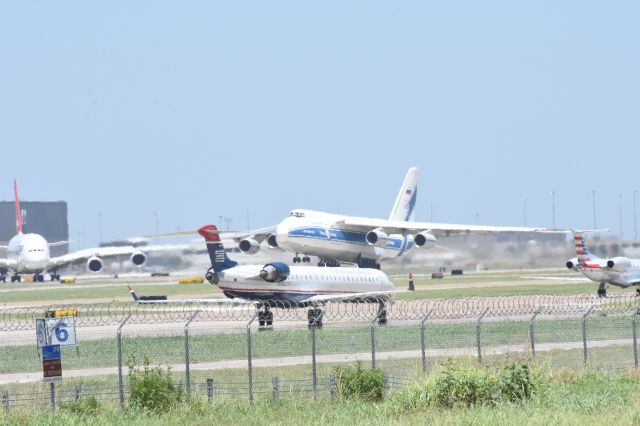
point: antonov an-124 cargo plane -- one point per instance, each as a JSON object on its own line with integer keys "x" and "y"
{"x": 365, "y": 241}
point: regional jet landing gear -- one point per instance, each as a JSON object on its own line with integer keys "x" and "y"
{"x": 382, "y": 314}
{"x": 314, "y": 316}
{"x": 303, "y": 259}
{"x": 265, "y": 319}
{"x": 602, "y": 291}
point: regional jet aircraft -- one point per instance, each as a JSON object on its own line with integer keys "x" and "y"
{"x": 364, "y": 241}
{"x": 618, "y": 271}
{"x": 29, "y": 254}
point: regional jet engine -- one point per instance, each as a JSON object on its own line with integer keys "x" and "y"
{"x": 377, "y": 237}
{"x": 275, "y": 272}
{"x": 94, "y": 264}
{"x": 249, "y": 245}
{"x": 619, "y": 264}
{"x": 212, "y": 276}
{"x": 573, "y": 264}
{"x": 138, "y": 258}
{"x": 425, "y": 240}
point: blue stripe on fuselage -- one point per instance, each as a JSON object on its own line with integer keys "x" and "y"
{"x": 346, "y": 236}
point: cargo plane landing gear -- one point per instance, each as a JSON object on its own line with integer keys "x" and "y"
{"x": 363, "y": 262}
{"x": 54, "y": 275}
{"x": 602, "y": 290}
{"x": 38, "y": 278}
{"x": 15, "y": 278}
{"x": 328, "y": 263}
{"x": 3, "y": 275}
{"x": 303, "y": 259}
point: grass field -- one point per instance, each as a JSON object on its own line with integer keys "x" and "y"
{"x": 566, "y": 398}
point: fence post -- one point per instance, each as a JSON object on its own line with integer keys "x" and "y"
{"x": 314, "y": 371}
{"x": 187, "y": 372}
{"x": 275, "y": 388}
{"x": 119, "y": 343}
{"x": 634, "y": 335}
{"x": 78, "y": 392}
{"x": 373, "y": 335}
{"x": 209, "y": 390}
{"x": 332, "y": 386}
{"x": 250, "y": 369}
{"x": 52, "y": 396}
{"x": 584, "y": 334}
{"x": 6, "y": 402}
{"x": 422, "y": 342}
{"x": 478, "y": 322}
{"x": 531, "y": 331}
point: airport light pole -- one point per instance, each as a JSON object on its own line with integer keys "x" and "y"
{"x": 431, "y": 212}
{"x": 553, "y": 209}
{"x": 635, "y": 217}
{"x": 620, "y": 211}
{"x": 593, "y": 199}
{"x": 100, "y": 225}
{"x": 524, "y": 212}
{"x": 477, "y": 219}
{"x": 157, "y": 220}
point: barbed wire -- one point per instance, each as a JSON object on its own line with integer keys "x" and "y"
{"x": 22, "y": 318}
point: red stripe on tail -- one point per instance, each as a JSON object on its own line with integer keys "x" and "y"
{"x": 18, "y": 211}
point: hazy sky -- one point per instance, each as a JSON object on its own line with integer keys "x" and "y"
{"x": 201, "y": 109}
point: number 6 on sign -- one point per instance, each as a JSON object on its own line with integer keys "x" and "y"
{"x": 63, "y": 331}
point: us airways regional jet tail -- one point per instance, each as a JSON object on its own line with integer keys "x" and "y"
{"x": 29, "y": 254}
{"x": 365, "y": 241}
{"x": 618, "y": 271}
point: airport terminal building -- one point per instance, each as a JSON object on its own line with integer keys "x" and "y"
{"x": 47, "y": 218}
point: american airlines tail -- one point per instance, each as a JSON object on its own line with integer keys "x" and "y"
{"x": 18, "y": 211}
{"x": 406, "y": 199}
{"x": 581, "y": 249}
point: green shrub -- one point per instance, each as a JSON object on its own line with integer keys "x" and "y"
{"x": 358, "y": 383}
{"x": 85, "y": 407}
{"x": 152, "y": 388}
{"x": 467, "y": 385}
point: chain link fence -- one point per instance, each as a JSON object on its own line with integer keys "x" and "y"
{"x": 238, "y": 351}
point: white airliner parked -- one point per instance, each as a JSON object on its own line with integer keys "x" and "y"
{"x": 365, "y": 241}
{"x": 618, "y": 271}
{"x": 29, "y": 254}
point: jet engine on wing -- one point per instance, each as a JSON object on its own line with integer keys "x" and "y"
{"x": 138, "y": 258}
{"x": 275, "y": 272}
{"x": 249, "y": 245}
{"x": 94, "y": 264}
{"x": 272, "y": 241}
{"x": 377, "y": 237}
{"x": 425, "y": 240}
{"x": 619, "y": 264}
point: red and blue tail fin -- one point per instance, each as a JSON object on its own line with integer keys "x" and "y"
{"x": 581, "y": 248}
{"x": 219, "y": 259}
{"x": 18, "y": 210}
